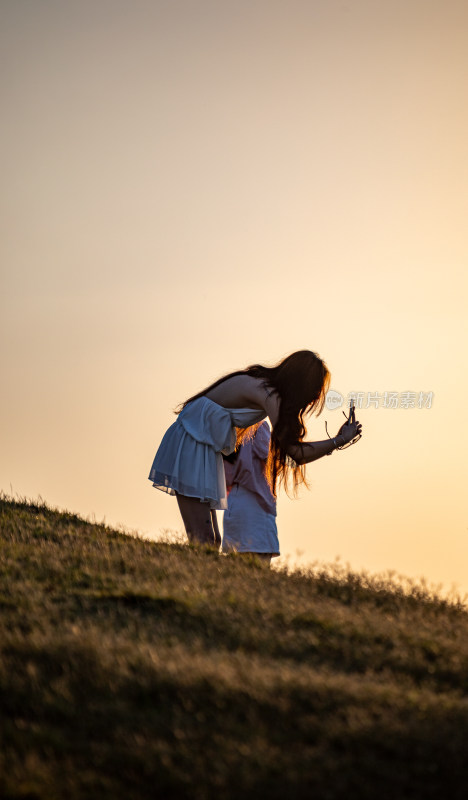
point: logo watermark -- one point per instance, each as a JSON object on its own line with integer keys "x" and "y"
{"x": 392, "y": 400}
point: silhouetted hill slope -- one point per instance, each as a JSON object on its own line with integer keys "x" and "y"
{"x": 131, "y": 669}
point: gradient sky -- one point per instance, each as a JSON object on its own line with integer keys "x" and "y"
{"x": 191, "y": 186}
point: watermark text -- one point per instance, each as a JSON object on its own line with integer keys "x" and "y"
{"x": 392, "y": 400}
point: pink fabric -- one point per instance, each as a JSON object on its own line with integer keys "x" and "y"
{"x": 249, "y": 468}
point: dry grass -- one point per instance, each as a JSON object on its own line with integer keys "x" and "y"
{"x": 133, "y": 669}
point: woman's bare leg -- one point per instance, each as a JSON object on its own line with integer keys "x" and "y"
{"x": 197, "y": 520}
{"x": 214, "y": 521}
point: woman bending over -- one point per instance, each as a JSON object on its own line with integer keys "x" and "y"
{"x": 189, "y": 461}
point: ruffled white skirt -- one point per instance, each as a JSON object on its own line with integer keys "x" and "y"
{"x": 189, "y": 460}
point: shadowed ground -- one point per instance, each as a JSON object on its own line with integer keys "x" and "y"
{"x": 132, "y": 669}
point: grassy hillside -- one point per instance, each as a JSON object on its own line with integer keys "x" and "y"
{"x": 132, "y": 669}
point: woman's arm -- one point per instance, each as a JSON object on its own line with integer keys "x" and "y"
{"x": 305, "y": 452}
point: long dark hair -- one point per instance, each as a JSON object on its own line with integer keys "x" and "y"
{"x": 301, "y": 380}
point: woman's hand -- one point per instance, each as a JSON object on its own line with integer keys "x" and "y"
{"x": 350, "y": 430}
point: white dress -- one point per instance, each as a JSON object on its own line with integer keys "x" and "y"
{"x": 249, "y": 524}
{"x": 189, "y": 460}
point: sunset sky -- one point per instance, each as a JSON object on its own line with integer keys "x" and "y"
{"x": 192, "y": 186}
